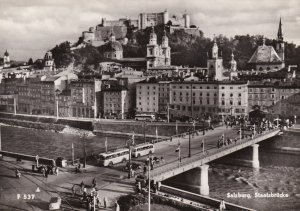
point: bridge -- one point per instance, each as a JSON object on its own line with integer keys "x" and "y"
{"x": 200, "y": 160}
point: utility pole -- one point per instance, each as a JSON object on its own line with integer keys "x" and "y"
{"x": 149, "y": 199}
{"x": 84, "y": 149}
{"x": 57, "y": 109}
{"x": 15, "y": 105}
{"x": 144, "y": 131}
{"x": 72, "y": 154}
{"x": 0, "y": 138}
{"x": 168, "y": 113}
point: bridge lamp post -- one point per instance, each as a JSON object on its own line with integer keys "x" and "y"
{"x": 190, "y": 143}
{"x": 130, "y": 142}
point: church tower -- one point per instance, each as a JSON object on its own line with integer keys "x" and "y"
{"x": 215, "y": 64}
{"x": 280, "y": 42}
{"x": 6, "y": 59}
{"x": 166, "y": 50}
{"x": 152, "y": 50}
{"x": 233, "y": 66}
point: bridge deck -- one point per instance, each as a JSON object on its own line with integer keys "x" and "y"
{"x": 174, "y": 168}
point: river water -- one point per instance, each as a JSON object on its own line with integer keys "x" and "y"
{"x": 279, "y": 173}
{"x": 279, "y": 165}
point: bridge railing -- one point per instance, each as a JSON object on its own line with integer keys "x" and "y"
{"x": 187, "y": 161}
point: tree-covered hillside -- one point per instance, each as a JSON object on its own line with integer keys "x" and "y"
{"x": 186, "y": 50}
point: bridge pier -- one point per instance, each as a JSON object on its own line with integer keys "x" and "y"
{"x": 204, "y": 188}
{"x": 255, "y": 160}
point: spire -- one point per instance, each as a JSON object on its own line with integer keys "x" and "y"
{"x": 264, "y": 41}
{"x": 6, "y": 53}
{"x": 279, "y": 34}
{"x": 215, "y": 49}
{"x": 112, "y": 36}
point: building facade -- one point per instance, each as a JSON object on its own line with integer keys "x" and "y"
{"x": 158, "y": 55}
{"x": 147, "y": 96}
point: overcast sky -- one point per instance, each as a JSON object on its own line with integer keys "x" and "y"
{"x": 28, "y": 28}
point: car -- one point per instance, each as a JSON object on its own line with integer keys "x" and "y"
{"x": 55, "y": 203}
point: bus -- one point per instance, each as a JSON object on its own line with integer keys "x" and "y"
{"x": 145, "y": 117}
{"x": 142, "y": 149}
{"x": 111, "y": 158}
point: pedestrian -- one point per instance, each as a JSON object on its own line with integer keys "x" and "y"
{"x": 104, "y": 202}
{"x": 94, "y": 182}
{"x": 162, "y": 159}
{"x": 145, "y": 169}
{"x": 222, "y": 205}
{"x": 98, "y": 201}
{"x": 82, "y": 185}
{"x": 147, "y": 161}
{"x": 158, "y": 185}
{"x": 117, "y": 206}
{"x": 73, "y": 190}
{"x": 56, "y": 170}
{"x": 152, "y": 164}
{"x": 235, "y": 140}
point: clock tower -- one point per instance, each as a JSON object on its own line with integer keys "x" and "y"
{"x": 215, "y": 64}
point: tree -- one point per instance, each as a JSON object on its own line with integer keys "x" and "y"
{"x": 30, "y": 62}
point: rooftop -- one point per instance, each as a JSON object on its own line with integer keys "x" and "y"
{"x": 265, "y": 54}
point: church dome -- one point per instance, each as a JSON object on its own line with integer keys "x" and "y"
{"x": 113, "y": 46}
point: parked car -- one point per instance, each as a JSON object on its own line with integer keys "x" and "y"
{"x": 55, "y": 203}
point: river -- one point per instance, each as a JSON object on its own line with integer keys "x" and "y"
{"x": 279, "y": 173}
{"x": 279, "y": 165}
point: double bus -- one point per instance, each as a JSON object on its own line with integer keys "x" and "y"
{"x": 111, "y": 158}
{"x": 144, "y": 117}
{"x": 142, "y": 149}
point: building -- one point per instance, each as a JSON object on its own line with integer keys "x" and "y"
{"x": 64, "y": 103}
{"x": 49, "y": 65}
{"x": 215, "y": 64}
{"x": 153, "y": 19}
{"x": 6, "y": 60}
{"x": 163, "y": 97}
{"x": 265, "y": 58}
{"x": 158, "y": 55}
{"x": 200, "y": 99}
{"x": 147, "y": 96}
{"x": 82, "y": 98}
{"x": 112, "y": 49}
{"x": 115, "y": 101}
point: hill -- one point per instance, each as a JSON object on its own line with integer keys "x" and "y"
{"x": 186, "y": 49}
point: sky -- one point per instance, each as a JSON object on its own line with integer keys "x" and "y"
{"x": 28, "y": 28}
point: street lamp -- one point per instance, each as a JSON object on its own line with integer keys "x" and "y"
{"x": 144, "y": 126}
{"x": 129, "y": 143}
{"x": 295, "y": 119}
{"x": 83, "y": 137}
{"x": 190, "y": 143}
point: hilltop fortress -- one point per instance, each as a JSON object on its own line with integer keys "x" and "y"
{"x": 100, "y": 34}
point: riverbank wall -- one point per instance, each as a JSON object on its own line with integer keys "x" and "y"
{"x": 103, "y": 127}
{"x": 44, "y": 123}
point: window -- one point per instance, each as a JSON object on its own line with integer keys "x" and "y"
{"x": 231, "y": 87}
{"x": 231, "y": 95}
{"x": 222, "y": 87}
{"x": 240, "y": 94}
{"x": 207, "y": 94}
{"x": 240, "y": 103}
{"x": 231, "y": 103}
{"x": 223, "y": 102}
{"x": 223, "y": 95}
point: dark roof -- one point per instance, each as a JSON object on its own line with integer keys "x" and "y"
{"x": 265, "y": 54}
{"x": 104, "y": 32}
{"x": 112, "y": 46}
{"x": 113, "y": 88}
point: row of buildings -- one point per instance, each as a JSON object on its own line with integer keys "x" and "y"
{"x": 163, "y": 89}
{"x": 129, "y": 93}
